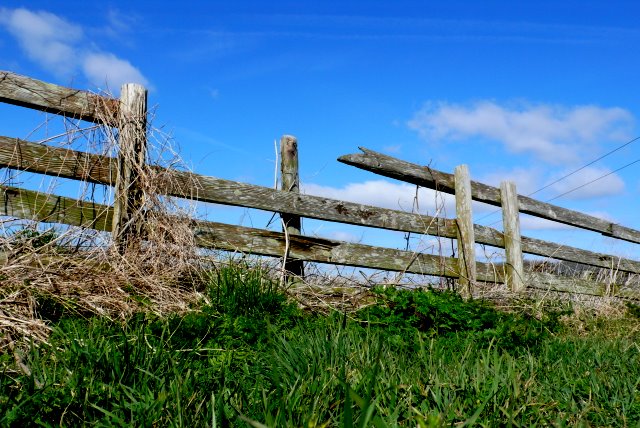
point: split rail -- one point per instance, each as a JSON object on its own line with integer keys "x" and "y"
{"x": 126, "y": 224}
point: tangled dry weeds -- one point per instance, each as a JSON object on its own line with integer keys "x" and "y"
{"x": 45, "y": 269}
{"x": 46, "y": 272}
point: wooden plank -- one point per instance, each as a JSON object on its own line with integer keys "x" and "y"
{"x": 38, "y": 95}
{"x": 268, "y": 243}
{"x": 465, "y": 237}
{"x": 489, "y": 236}
{"x": 41, "y": 207}
{"x": 50, "y": 208}
{"x": 423, "y": 176}
{"x": 128, "y": 221}
{"x": 42, "y": 159}
{"x": 550, "y": 282}
{"x": 65, "y": 163}
{"x": 38, "y": 158}
{"x": 290, "y": 182}
{"x": 514, "y": 268}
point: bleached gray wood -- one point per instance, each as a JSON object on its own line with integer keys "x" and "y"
{"x": 128, "y": 221}
{"x": 42, "y": 207}
{"x": 268, "y": 243}
{"x": 51, "y": 208}
{"x": 38, "y": 95}
{"x": 514, "y": 268}
{"x": 290, "y": 182}
{"x": 423, "y": 176}
{"x": 42, "y": 159}
{"x": 550, "y": 282}
{"x": 38, "y": 158}
{"x": 465, "y": 237}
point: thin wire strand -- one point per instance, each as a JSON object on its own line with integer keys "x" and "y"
{"x": 584, "y": 166}
{"x": 580, "y": 186}
{"x": 593, "y": 181}
{"x": 569, "y": 175}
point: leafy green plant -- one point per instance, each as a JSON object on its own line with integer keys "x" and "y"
{"x": 30, "y": 239}
{"x": 444, "y": 313}
{"x": 633, "y": 309}
{"x": 422, "y": 359}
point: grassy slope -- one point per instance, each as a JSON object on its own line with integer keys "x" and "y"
{"x": 246, "y": 356}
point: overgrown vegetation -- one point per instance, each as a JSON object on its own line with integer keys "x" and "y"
{"x": 246, "y": 356}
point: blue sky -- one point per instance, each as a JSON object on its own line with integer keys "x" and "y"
{"x": 527, "y": 91}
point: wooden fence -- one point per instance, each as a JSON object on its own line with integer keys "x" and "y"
{"x": 128, "y": 114}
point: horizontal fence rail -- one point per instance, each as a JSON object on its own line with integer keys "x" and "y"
{"x": 408, "y": 172}
{"x": 44, "y": 207}
{"x": 38, "y": 95}
{"x": 50, "y": 208}
{"x": 71, "y": 164}
{"x": 129, "y": 114}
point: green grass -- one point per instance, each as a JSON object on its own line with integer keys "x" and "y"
{"x": 248, "y": 357}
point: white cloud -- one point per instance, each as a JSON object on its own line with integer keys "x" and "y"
{"x": 553, "y": 133}
{"x": 60, "y": 47}
{"x": 339, "y": 235}
{"x": 101, "y": 68}
{"x": 609, "y": 185}
{"x": 527, "y": 180}
{"x": 385, "y": 194}
{"x": 530, "y": 180}
{"x": 46, "y": 38}
{"x": 603, "y": 215}
{"x": 536, "y": 223}
{"x": 393, "y": 148}
{"x": 118, "y": 22}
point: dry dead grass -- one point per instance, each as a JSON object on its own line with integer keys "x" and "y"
{"x": 164, "y": 272}
{"x": 78, "y": 271}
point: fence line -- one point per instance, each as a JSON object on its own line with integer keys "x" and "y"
{"x": 38, "y": 95}
{"x": 71, "y": 164}
{"x": 32, "y": 157}
{"x": 388, "y": 166}
{"x": 33, "y": 205}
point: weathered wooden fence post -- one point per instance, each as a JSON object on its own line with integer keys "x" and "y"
{"x": 465, "y": 237}
{"x": 128, "y": 201}
{"x": 511, "y": 223}
{"x": 290, "y": 182}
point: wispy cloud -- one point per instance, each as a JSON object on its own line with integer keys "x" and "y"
{"x": 393, "y": 148}
{"x": 106, "y": 68}
{"x": 590, "y": 183}
{"x": 338, "y": 235}
{"x": 529, "y": 180}
{"x": 370, "y": 27}
{"x": 554, "y": 134}
{"x": 44, "y": 37}
{"x": 61, "y": 47}
{"x": 536, "y": 223}
{"x": 385, "y": 194}
{"x": 119, "y": 23}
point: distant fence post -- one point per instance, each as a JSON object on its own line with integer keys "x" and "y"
{"x": 465, "y": 236}
{"x": 132, "y": 152}
{"x": 512, "y": 244}
{"x": 290, "y": 182}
